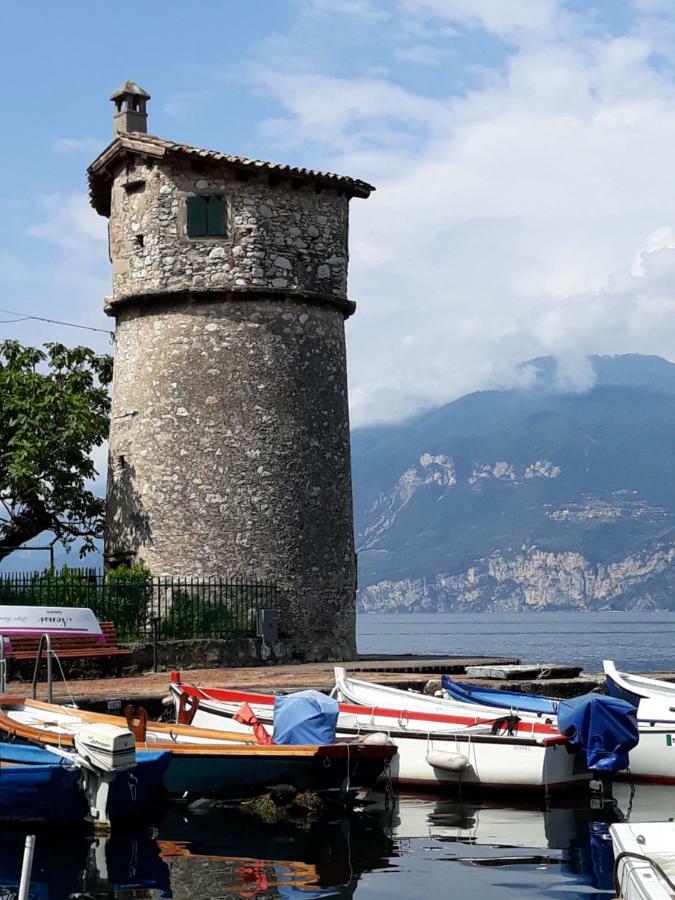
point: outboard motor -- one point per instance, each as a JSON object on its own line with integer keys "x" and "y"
{"x": 104, "y": 751}
{"x": 603, "y": 729}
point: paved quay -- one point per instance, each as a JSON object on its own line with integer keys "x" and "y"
{"x": 401, "y": 671}
{"x": 407, "y": 672}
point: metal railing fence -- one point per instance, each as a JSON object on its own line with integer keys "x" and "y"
{"x": 178, "y": 608}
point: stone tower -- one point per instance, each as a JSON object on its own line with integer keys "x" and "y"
{"x": 229, "y": 440}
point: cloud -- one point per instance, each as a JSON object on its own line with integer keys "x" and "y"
{"x": 85, "y": 146}
{"x": 69, "y": 221}
{"x": 527, "y": 213}
{"x": 72, "y": 277}
{"x": 502, "y": 18}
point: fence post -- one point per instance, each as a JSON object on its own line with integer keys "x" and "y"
{"x": 155, "y": 643}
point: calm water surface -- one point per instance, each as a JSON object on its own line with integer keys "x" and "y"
{"x": 418, "y": 846}
{"x": 642, "y": 641}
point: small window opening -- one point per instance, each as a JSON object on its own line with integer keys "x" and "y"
{"x": 135, "y": 187}
{"x": 206, "y": 216}
{"x": 139, "y": 240}
{"x": 121, "y": 462}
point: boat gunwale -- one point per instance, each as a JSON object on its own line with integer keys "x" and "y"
{"x": 541, "y": 728}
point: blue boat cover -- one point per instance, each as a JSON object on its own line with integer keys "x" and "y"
{"x": 604, "y": 728}
{"x": 471, "y": 693}
{"x": 307, "y": 717}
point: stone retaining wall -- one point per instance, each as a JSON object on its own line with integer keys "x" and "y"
{"x": 208, "y": 654}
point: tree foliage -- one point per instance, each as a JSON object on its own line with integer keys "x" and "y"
{"x": 54, "y": 410}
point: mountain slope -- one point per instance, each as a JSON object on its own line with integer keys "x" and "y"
{"x": 525, "y": 498}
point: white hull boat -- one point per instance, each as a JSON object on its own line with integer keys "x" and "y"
{"x": 644, "y": 857}
{"x": 651, "y": 696}
{"x": 432, "y": 752}
{"x": 366, "y": 693}
{"x": 651, "y": 761}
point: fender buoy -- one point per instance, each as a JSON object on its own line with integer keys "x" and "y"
{"x": 448, "y": 762}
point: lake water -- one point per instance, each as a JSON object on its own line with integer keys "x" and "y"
{"x": 641, "y": 641}
{"x": 419, "y": 846}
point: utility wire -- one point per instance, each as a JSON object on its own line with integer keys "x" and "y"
{"x": 11, "y": 312}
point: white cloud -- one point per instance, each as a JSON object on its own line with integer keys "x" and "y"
{"x": 86, "y": 146}
{"x": 502, "y": 17}
{"x": 73, "y": 276}
{"x": 531, "y": 214}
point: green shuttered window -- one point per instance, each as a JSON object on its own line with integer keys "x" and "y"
{"x": 206, "y": 216}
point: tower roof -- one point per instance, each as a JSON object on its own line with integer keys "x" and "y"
{"x": 101, "y": 171}
{"x": 129, "y": 87}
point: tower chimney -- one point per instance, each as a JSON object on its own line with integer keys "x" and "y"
{"x": 130, "y": 114}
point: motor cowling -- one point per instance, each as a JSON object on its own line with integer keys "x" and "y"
{"x": 106, "y": 747}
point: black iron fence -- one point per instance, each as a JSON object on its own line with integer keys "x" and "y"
{"x": 173, "y": 608}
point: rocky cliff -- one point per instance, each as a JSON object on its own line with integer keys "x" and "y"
{"x": 532, "y": 499}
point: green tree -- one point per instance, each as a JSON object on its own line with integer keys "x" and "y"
{"x": 54, "y": 409}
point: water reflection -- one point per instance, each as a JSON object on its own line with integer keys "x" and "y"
{"x": 411, "y": 846}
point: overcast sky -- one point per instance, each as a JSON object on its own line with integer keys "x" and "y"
{"x": 523, "y": 153}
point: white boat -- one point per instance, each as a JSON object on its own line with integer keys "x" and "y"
{"x": 434, "y": 750}
{"x": 369, "y": 694}
{"x": 652, "y": 760}
{"x": 649, "y": 693}
{"x": 644, "y": 855}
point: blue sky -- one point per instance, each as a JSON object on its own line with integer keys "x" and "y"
{"x": 522, "y": 151}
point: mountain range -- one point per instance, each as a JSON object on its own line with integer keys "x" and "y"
{"x": 540, "y": 497}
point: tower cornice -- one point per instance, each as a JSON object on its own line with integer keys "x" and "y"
{"x": 101, "y": 171}
{"x": 151, "y": 299}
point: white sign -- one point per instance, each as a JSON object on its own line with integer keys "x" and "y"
{"x": 51, "y": 620}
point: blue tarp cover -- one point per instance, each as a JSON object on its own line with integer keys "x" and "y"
{"x": 307, "y": 717}
{"x": 471, "y": 693}
{"x": 41, "y": 786}
{"x": 604, "y": 728}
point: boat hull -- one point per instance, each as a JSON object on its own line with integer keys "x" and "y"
{"x": 637, "y": 878}
{"x": 495, "y": 762}
{"x": 240, "y": 776}
{"x": 38, "y": 786}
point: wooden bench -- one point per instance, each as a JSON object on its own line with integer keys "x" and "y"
{"x": 70, "y": 647}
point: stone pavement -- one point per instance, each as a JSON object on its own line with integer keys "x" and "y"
{"x": 404, "y": 672}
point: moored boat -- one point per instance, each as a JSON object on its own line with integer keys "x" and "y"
{"x": 648, "y": 693}
{"x": 434, "y": 750}
{"x": 644, "y": 860}
{"x": 652, "y": 760}
{"x": 207, "y": 763}
{"x": 37, "y": 785}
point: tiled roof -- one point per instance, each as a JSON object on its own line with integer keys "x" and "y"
{"x": 100, "y": 176}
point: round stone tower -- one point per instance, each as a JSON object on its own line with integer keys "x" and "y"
{"x": 229, "y": 439}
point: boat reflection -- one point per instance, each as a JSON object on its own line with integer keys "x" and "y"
{"x": 249, "y": 857}
{"x": 214, "y": 850}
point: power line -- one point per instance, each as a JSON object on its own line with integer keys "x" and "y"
{"x": 23, "y": 318}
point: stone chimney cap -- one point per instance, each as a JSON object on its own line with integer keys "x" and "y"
{"x": 129, "y": 87}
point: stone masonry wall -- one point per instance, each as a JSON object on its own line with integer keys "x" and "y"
{"x": 280, "y": 238}
{"x": 230, "y": 453}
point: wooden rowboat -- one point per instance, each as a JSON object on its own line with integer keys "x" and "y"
{"x": 209, "y": 763}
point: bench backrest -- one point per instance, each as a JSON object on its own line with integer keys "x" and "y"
{"x": 30, "y": 643}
